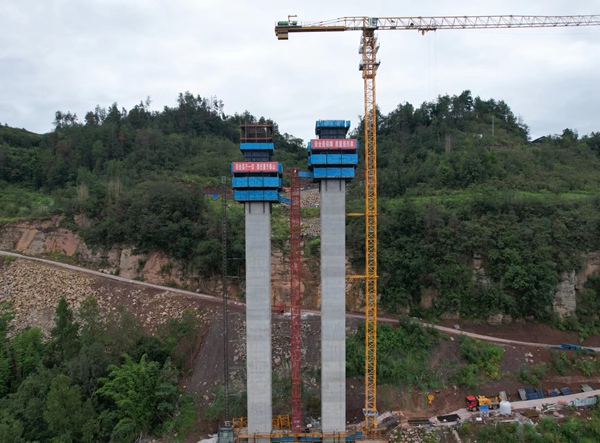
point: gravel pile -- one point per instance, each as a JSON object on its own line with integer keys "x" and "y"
{"x": 34, "y": 289}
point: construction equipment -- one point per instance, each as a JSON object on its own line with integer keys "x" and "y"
{"x": 281, "y": 421}
{"x": 226, "y": 433}
{"x": 368, "y": 65}
{"x": 474, "y": 403}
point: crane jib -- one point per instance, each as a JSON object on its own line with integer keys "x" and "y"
{"x": 426, "y": 24}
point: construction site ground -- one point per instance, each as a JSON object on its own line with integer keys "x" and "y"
{"x": 34, "y": 287}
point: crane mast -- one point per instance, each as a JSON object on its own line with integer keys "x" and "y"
{"x": 368, "y": 66}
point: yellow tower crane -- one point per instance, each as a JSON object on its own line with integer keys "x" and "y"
{"x": 368, "y": 66}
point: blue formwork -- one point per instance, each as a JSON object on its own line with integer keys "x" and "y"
{"x": 256, "y": 182}
{"x": 333, "y": 159}
{"x": 319, "y": 173}
{"x": 257, "y": 147}
{"x": 332, "y": 124}
{"x": 531, "y": 393}
{"x": 256, "y": 195}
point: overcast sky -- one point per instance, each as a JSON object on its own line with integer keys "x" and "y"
{"x": 72, "y": 55}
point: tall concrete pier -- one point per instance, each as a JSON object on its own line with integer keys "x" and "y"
{"x": 333, "y": 305}
{"x": 258, "y": 316}
{"x": 332, "y": 160}
{"x": 256, "y": 183}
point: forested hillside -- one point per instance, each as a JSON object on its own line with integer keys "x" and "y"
{"x": 460, "y": 184}
{"x": 140, "y": 177}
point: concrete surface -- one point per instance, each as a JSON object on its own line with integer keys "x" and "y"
{"x": 258, "y": 316}
{"x": 333, "y": 306}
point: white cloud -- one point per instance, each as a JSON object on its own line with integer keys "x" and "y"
{"x": 73, "y": 55}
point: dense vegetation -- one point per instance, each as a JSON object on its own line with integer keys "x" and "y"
{"x": 474, "y": 218}
{"x": 404, "y": 357}
{"x": 546, "y": 431}
{"x": 482, "y": 360}
{"x": 455, "y": 192}
{"x": 402, "y": 354}
{"x": 95, "y": 379}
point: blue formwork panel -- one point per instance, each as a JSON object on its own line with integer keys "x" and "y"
{"x": 257, "y": 146}
{"x": 332, "y": 124}
{"x": 256, "y": 182}
{"x": 333, "y": 173}
{"x": 531, "y": 393}
{"x": 333, "y": 159}
{"x": 239, "y": 182}
{"x": 265, "y": 182}
{"x": 256, "y": 195}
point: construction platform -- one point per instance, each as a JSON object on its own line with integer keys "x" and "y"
{"x": 279, "y": 436}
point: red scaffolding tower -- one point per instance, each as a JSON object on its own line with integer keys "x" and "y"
{"x": 295, "y": 309}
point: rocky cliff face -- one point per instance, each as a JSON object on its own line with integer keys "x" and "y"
{"x": 565, "y": 296}
{"x": 47, "y": 238}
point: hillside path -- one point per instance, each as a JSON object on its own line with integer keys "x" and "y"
{"x": 214, "y": 299}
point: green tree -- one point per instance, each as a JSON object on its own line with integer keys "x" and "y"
{"x": 28, "y": 403}
{"x": 11, "y": 430}
{"x": 89, "y": 365}
{"x": 69, "y": 417}
{"x": 144, "y": 397}
{"x": 92, "y": 325}
{"x": 123, "y": 332}
{"x": 28, "y": 351}
{"x": 65, "y": 334}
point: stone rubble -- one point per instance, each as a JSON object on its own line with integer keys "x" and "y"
{"x": 33, "y": 290}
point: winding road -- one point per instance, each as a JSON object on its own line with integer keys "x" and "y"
{"x": 213, "y": 299}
